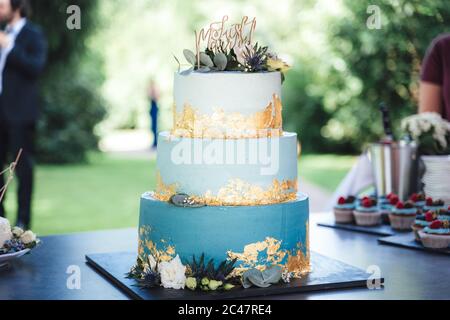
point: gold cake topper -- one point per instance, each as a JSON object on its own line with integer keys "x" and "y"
{"x": 218, "y": 36}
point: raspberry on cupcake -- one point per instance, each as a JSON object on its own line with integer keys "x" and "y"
{"x": 419, "y": 199}
{"x": 403, "y": 215}
{"x": 436, "y": 235}
{"x": 343, "y": 210}
{"x": 386, "y": 204}
{"x": 367, "y": 213}
{"x": 431, "y": 204}
{"x": 422, "y": 221}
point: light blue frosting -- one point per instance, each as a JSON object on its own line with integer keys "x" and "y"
{"x": 420, "y": 204}
{"x": 216, "y": 230}
{"x": 436, "y": 231}
{"x": 407, "y": 211}
{"x": 348, "y": 206}
{"x": 433, "y": 208}
{"x": 364, "y": 209}
{"x": 196, "y": 176}
{"x": 422, "y": 223}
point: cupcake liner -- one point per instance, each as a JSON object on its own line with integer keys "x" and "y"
{"x": 367, "y": 218}
{"x": 416, "y": 230}
{"x": 434, "y": 241}
{"x": 401, "y": 222}
{"x": 343, "y": 215}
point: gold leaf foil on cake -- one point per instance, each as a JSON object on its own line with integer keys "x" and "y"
{"x": 164, "y": 191}
{"x": 192, "y": 124}
{"x": 162, "y": 252}
{"x": 237, "y": 193}
{"x": 260, "y": 255}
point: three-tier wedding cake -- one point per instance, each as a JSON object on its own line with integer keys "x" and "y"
{"x": 227, "y": 173}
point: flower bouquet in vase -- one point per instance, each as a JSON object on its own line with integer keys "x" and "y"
{"x": 432, "y": 134}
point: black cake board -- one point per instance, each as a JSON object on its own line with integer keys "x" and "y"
{"x": 383, "y": 230}
{"x": 326, "y": 274}
{"x": 408, "y": 240}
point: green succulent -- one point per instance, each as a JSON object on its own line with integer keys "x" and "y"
{"x": 206, "y": 270}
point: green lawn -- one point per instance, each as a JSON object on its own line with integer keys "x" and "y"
{"x": 326, "y": 171}
{"x": 105, "y": 193}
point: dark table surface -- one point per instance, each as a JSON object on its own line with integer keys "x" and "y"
{"x": 408, "y": 274}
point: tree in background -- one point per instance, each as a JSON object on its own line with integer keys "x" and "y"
{"x": 71, "y": 106}
{"x": 381, "y": 64}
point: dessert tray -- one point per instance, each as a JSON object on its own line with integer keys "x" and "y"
{"x": 326, "y": 274}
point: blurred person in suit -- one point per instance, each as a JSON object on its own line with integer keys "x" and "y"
{"x": 153, "y": 97}
{"x": 23, "y": 52}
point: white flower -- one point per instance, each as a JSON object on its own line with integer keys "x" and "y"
{"x": 28, "y": 237}
{"x": 5, "y": 231}
{"x": 173, "y": 274}
{"x": 419, "y": 124}
{"x": 17, "y": 232}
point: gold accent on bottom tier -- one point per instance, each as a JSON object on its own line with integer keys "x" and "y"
{"x": 236, "y": 193}
{"x": 192, "y": 124}
{"x": 296, "y": 261}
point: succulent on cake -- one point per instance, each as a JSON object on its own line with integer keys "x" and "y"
{"x": 262, "y": 279}
{"x": 204, "y": 275}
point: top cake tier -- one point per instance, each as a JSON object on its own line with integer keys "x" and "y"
{"x": 227, "y": 105}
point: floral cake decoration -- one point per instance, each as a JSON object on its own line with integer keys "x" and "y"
{"x": 231, "y": 49}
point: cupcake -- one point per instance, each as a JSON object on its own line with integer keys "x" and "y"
{"x": 433, "y": 205}
{"x": 437, "y": 235}
{"x": 343, "y": 210}
{"x": 385, "y": 206}
{"x": 367, "y": 213}
{"x": 403, "y": 215}
{"x": 422, "y": 221}
{"x": 418, "y": 199}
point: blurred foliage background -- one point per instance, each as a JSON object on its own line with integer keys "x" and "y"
{"x": 96, "y": 81}
{"x": 97, "y": 77}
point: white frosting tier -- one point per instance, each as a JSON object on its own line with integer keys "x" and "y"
{"x": 213, "y": 104}
{"x": 246, "y": 93}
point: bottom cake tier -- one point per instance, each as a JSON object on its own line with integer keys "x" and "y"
{"x": 257, "y": 236}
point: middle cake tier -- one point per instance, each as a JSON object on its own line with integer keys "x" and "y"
{"x": 233, "y": 172}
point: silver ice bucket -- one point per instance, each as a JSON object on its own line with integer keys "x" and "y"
{"x": 395, "y": 168}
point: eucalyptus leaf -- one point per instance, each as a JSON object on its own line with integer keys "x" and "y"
{"x": 272, "y": 274}
{"x": 190, "y": 57}
{"x": 206, "y": 60}
{"x": 187, "y": 72}
{"x": 254, "y": 277}
{"x": 221, "y": 61}
{"x": 204, "y": 69}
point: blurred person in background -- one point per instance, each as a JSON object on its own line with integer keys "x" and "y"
{"x": 153, "y": 96}
{"x": 23, "y": 52}
{"x": 435, "y": 78}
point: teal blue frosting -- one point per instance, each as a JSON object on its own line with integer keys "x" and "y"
{"x": 364, "y": 209}
{"x": 422, "y": 223}
{"x": 216, "y": 230}
{"x": 433, "y": 208}
{"x": 349, "y": 206}
{"x": 420, "y": 204}
{"x": 407, "y": 211}
{"x": 436, "y": 231}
